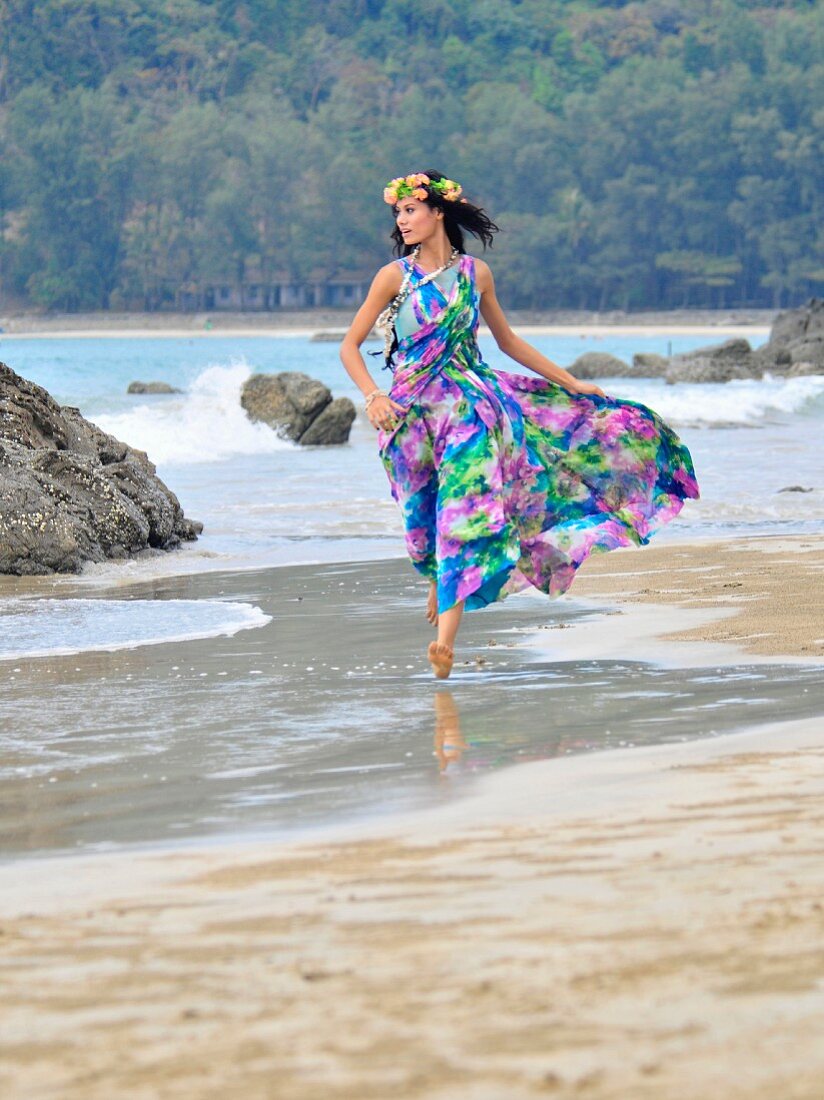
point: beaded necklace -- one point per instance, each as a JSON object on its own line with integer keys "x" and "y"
{"x": 386, "y": 321}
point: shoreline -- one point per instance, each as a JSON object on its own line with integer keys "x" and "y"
{"x": 306, "y": 323}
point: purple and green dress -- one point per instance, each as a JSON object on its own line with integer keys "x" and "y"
{"x": 506, "y": 481}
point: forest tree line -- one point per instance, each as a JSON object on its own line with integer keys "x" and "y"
{"x": 651, "y": 154}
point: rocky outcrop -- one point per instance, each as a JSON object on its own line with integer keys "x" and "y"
{"x": 151, "y": 387}
{"x": 717, "y": 363}
{"x": 796, "y": 343}
{"x": 298, "y": 408}
{"x": 70, "y": 493}
{"x": 795, "y": 347}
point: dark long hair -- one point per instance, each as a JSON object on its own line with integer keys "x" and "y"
{"x": 457, "y": 217}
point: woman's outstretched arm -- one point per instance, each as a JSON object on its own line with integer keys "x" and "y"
{"x": 518, "y": 349}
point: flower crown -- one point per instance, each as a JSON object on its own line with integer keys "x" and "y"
{"x": 415, "y": 186}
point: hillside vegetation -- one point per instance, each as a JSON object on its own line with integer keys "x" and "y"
{"x": 648, "y": 154}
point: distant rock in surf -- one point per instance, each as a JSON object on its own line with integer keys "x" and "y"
{"x": 298, "y": 408}
{"x": 151, "y": 387}
{"x": 598, "y": 364}
{"x": 70, "y": 493}
{"x": 795, "y": 348}
{"x": 649, "y": 365}
{"x": 716, "y": 363}
{"x": 329, "y": 336}
{"x": 796, "y": 343}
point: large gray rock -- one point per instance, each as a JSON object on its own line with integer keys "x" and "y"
{"x": 151, "y": 387}
{"x": 70, "y": 493}
{"x": 717, "y": 363}
{"x": 796, "y": 343}
{"x": 795, "y": 347}
{"x": 795, "y": 326}
{"x": 298, "y": 407}
{"x": 333, "y": 425}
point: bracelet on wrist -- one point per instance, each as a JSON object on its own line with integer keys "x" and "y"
{"x": 370, "y": 397}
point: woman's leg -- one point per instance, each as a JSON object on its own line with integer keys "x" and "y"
{"x": 448, "y": 623}
{"x": 441, "y": 653}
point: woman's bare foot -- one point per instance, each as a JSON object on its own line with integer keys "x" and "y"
{"x": 432, "y": 604}
{"x": 441, "y": 658}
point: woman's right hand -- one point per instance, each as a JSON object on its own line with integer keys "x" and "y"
{"x": 383, "y": 413}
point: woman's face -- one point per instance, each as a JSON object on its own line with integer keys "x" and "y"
{"x": 416, "y": 220}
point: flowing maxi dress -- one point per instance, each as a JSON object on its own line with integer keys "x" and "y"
{"x": 506, "y": 481}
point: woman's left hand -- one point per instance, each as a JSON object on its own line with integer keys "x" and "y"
{"x": 383, "y": 412}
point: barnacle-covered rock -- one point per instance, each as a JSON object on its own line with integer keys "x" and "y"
{"x": 71, "y": 493}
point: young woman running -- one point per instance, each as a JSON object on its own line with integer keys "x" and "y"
{"x": 503, "y": 480}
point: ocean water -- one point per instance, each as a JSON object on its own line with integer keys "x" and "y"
{"x": 265, "y": 501}
{"x": 247, "y": 681}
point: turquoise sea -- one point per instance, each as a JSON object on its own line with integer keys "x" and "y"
{"x": 248, "y": 682}
{"x": 265, "y": 501}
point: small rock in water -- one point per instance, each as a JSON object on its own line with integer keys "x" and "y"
{"x": 151, "y": 387}
{"x": 796, "y": 489}
{"x": 649, "y": 365}
{"x": 598, "y": 364}
{"x": 298, "y": 407}
{"x": 325, "y": 336}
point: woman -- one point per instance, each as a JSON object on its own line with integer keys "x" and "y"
{"x": 504, "y": 481}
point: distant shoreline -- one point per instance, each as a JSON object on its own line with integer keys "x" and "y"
{"x": 307, "y": 323}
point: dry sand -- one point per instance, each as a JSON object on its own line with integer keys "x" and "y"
{"x": 641, "y": 924}
{"x": 764, "y": 596}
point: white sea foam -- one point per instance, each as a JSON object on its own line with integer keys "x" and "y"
{"x": 35, "y": 627}
{"x": 744, "y": 402}
{"x": 205, "y": 424}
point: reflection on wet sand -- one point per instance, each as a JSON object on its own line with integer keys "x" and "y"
{"x": 449, "y": 741}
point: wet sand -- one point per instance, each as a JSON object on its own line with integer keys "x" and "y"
{"x": 643, "y": 924}
{"x": 324, "y": 712}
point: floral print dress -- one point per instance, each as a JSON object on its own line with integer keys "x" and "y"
{"x": 506, "y": 481}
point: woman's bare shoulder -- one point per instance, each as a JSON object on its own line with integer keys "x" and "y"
{"x": 483, "y": 273}
{"x": 390, "y": 275}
